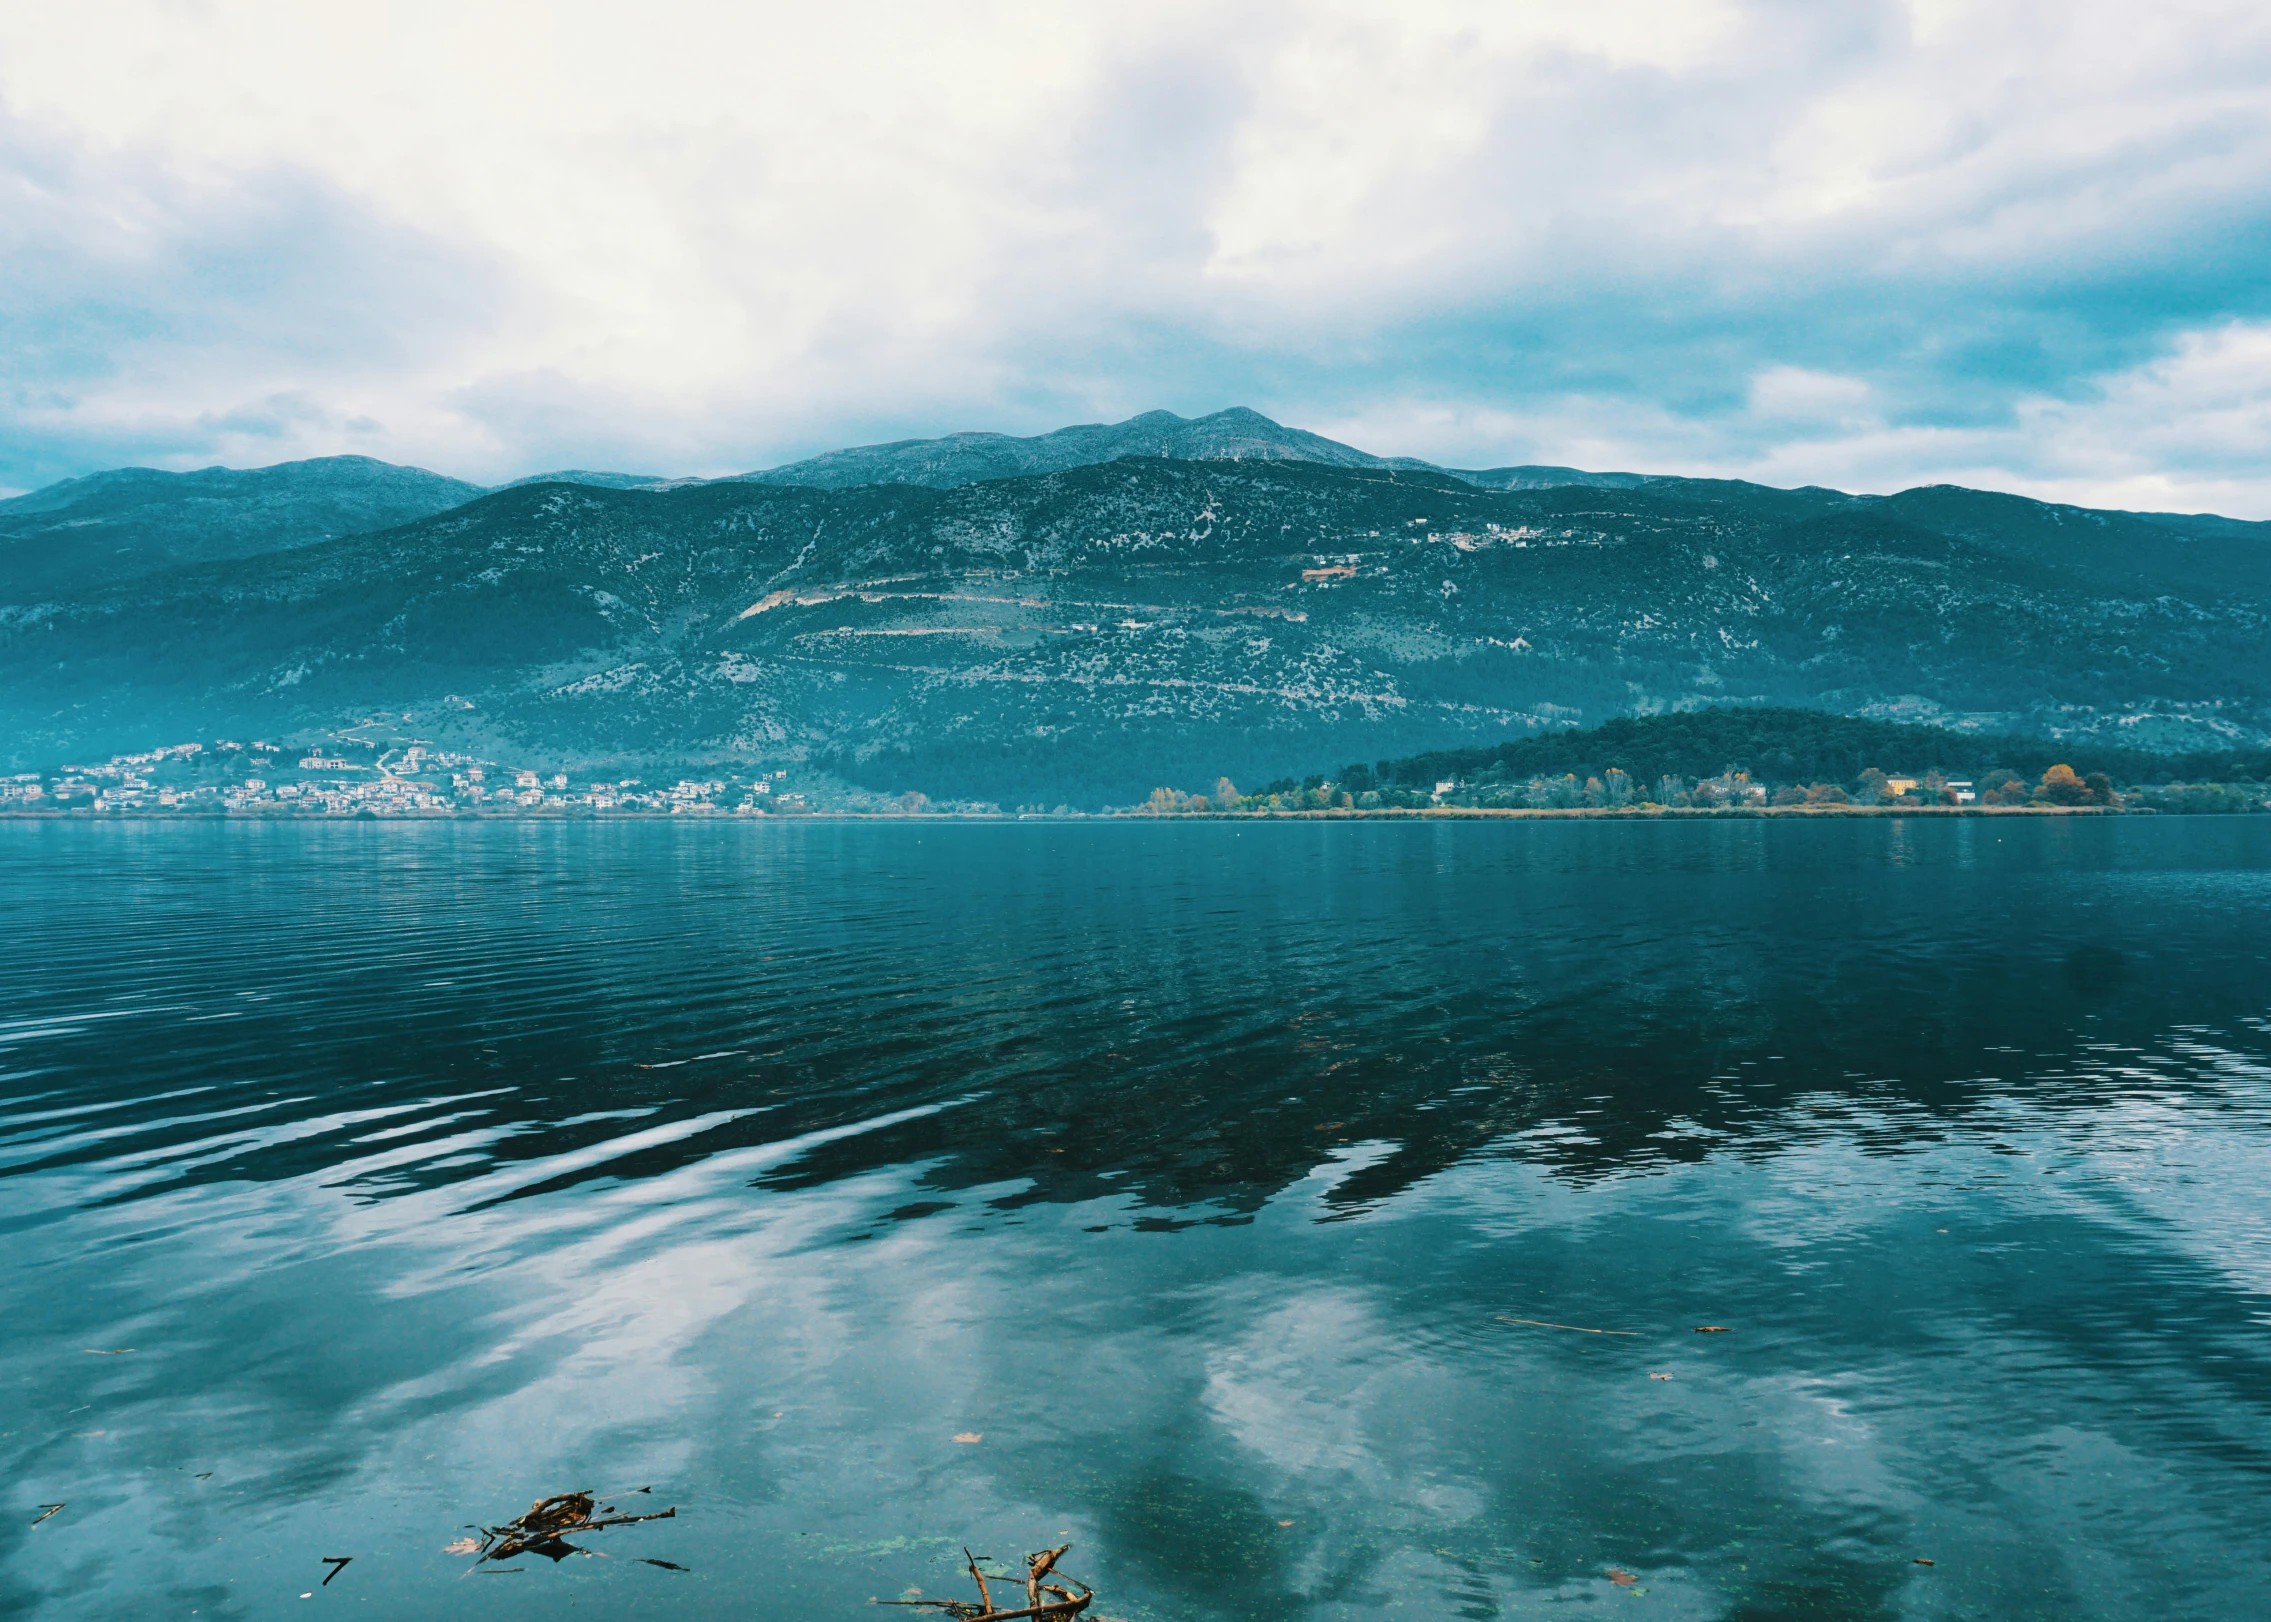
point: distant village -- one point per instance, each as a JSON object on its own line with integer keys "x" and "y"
{"x": 349, "y": 777}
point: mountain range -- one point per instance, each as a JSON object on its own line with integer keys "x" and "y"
{"x": 132, "y": 521}
{"x": 1090, "y": 612}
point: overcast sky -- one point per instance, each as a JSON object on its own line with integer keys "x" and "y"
{"x": 2011, "y": 244}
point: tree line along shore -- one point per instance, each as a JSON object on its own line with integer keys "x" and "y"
{"x": 1741, "y": 760}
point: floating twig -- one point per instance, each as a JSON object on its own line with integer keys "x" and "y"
{"x": 1539, "y": 1323}
{"x": 50, "y": 1509}
{"x": 1064, "y": 1603}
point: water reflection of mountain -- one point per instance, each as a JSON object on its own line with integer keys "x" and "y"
{"x": 1185, "y": 1020}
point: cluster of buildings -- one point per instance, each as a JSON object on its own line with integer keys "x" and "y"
{"x": 352, "y": 777}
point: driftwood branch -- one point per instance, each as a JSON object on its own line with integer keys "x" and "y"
{"x": 1037, "y": 1566}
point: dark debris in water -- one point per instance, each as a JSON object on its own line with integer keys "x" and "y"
{"x": 1039, "y": 1568}
{"x": 548, "y": 1525}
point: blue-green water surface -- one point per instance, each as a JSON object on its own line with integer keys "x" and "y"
{"x": 1206, "y": 1196}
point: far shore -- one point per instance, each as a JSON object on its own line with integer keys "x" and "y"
{"x": 1438, "y": 813}
{"x": 1631, "y": 812}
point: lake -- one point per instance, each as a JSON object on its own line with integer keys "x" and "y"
{"x": 1300, "y": 1220}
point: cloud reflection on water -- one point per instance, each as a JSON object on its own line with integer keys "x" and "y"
{"x": 415, "y": 1253}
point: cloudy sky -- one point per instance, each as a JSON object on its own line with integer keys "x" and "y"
{"x": 2023, "y": 244}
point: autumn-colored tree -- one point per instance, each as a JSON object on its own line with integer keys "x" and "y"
{"x": 1827, "y": 794}
{"x": 1226, "y": 794}
{"x": 2003, "y": 787}
{"x": 1871, "y": 787}
{"x": 2059, "y": 786}
{"x": 1789, "y": 794}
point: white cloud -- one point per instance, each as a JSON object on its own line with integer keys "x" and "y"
{"x": 1795, "y": 395}
{"x": 2190, "y": 432}
{"x": 710, "y": 236}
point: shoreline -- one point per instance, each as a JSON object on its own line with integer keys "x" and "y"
{"x": 1440, "y": 813}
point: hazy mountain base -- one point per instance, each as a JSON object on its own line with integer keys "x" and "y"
{"x": 1086, "y": 635}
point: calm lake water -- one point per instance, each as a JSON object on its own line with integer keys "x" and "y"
{"x": 870, "y": 1190}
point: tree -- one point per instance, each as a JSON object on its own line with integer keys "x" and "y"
{"x": 2100, "y": 787}
{"x": 2059, "y": 786}
{"x": 1827, "y": 794}
{"x": 1226, "y": 794}
{"x": 1619, "y": 786}
{"x": 1870, "y": 787}
{"x": 1789, "y": 794}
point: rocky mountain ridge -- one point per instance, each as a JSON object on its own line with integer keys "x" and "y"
{"x": 129, "y": 522}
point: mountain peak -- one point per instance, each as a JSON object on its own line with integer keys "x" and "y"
{"x": 1234, "y": 434}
